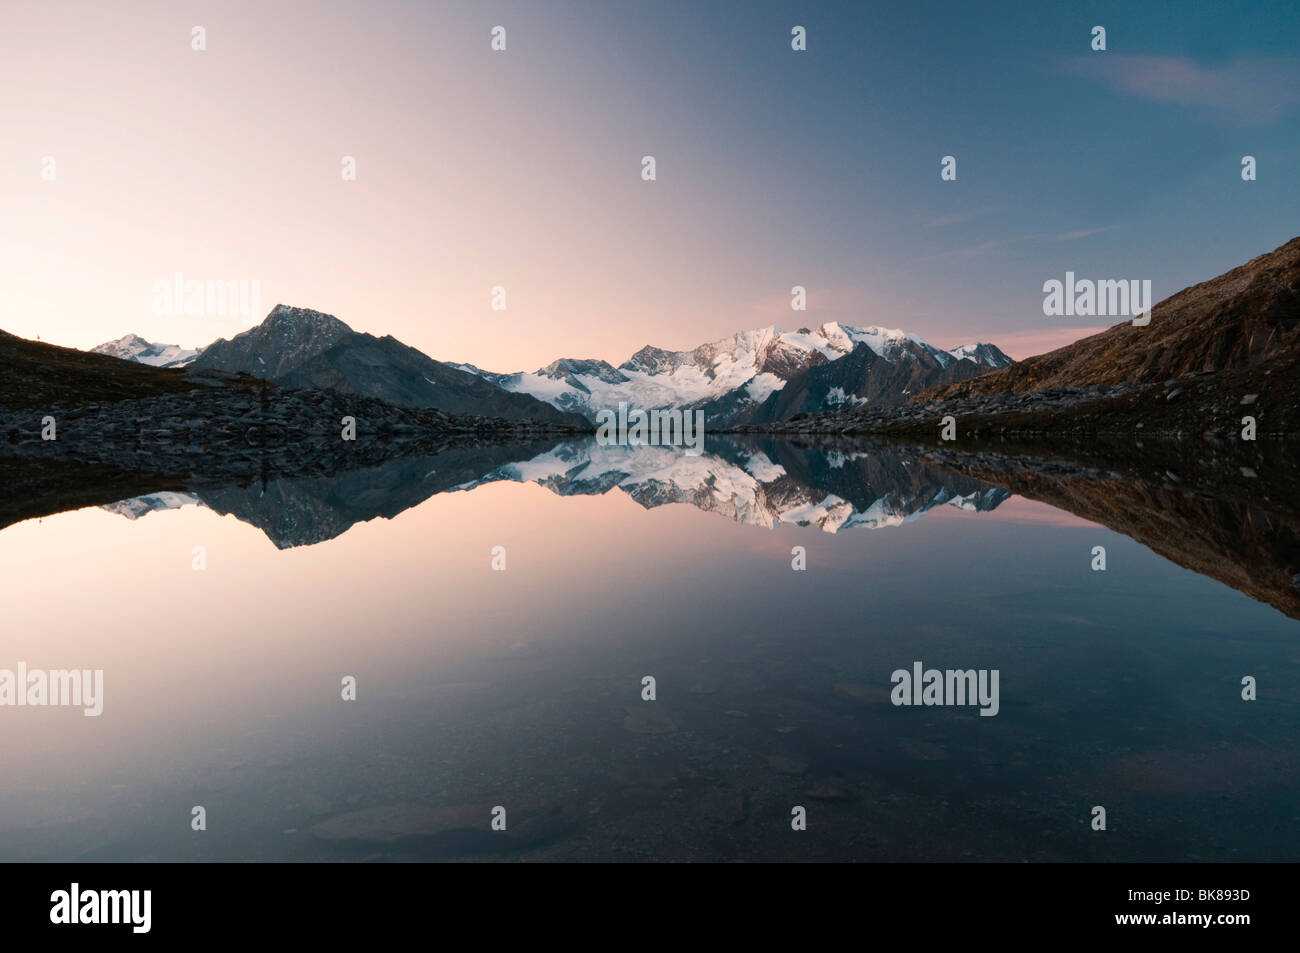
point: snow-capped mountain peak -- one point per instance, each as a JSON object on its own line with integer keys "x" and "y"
{"x": 732, "y": 378}
{"x": 132, "y": 347}
{"x": 567, "y": 367}
{"x": 982, "y": 353}
{"x": 139, "y": 506}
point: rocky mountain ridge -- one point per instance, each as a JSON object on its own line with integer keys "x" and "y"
{"x": 299, "y": 347}
{"x": 739, "y": 379}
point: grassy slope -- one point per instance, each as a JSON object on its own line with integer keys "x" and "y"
{"x": 35, "y": 375}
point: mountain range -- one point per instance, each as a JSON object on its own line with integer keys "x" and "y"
{"x": 1218, "y": 359}
{"x": 1234, "y": 337}
{"x": 759, "y": 375}
{"x": 751, "y": 377}
{"x": 767, "y": 485}
{"x": 758, "y": 484}
{"x": 301, "y": 348}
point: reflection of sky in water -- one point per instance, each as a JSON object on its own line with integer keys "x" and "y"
{"x": 480, "y": 687}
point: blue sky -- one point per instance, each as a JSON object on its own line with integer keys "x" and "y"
{"x": 1123, "y": 163}
{"x": 522, "y": 168}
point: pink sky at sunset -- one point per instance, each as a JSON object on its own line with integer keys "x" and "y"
{"x": 474, "y": 170}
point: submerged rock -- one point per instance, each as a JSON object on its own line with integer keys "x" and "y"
{"x": 783, "y": 765}
{"x": 829, "y": 791}
{"x": 648, "y": 719}
{"x": 451, "y": 829}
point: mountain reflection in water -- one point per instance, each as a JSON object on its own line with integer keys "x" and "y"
{"x": 767, "y": 483}
{"x": 1250, "y": 542}
{"x": 523, "y": 688}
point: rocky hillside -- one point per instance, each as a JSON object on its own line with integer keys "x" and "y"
{"x": 37, "y": 375}
{"x": 1212, "y": 355}
{"x": 203, "y": 425}
{"x": 1238, "y": 319}
{"x": 298, "y": 347}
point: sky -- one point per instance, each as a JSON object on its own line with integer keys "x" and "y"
{"x": 128, "y": 157}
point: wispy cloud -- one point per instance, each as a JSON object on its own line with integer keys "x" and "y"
{"x": 1245, "y": 91}
{"x": 960, "y": 218}
{"x": 979, "y": 249}
{"x": 1081, "y": 233}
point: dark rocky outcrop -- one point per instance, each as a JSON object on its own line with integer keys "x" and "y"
{"x": 298, "y": 347}
{"x": 864, "y": 376}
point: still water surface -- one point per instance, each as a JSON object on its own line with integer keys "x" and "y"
{"x": 522, "y": 688}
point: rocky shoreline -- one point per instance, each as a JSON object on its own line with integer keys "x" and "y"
{"x": 236, "y": 427}
{"x": 926, "y": 416}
